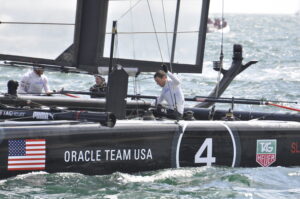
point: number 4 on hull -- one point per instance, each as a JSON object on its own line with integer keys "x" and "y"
{"x": 207, "y": 144}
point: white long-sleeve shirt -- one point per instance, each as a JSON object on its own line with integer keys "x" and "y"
{"x": 172, "y": 93}
{"x": 33, "y": 83}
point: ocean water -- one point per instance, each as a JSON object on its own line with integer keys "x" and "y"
{"x": 203, "y": 182}
{"x": 274, "y": 41}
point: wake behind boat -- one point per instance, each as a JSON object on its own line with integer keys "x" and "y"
{"x": 119, "y": 133}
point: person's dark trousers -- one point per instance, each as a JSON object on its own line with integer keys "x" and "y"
{"x": 168, "y": 113}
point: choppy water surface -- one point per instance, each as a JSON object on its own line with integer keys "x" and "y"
{"x": 272, "y": 40}
{"x": 204, "y": 182}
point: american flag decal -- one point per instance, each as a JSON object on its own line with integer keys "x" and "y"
{"x": 29, "y": 154}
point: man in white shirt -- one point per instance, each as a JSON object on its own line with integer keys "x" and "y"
{"x": 171, "y": 93}
{"x": 34, "y": 82}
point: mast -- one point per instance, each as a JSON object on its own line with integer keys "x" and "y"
{"x": 202, "y": 32}
{"x": 89, "y": 33}
{"x": 175, "y": 31}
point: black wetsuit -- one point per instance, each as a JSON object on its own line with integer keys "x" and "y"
{"x": 98, "y": 90}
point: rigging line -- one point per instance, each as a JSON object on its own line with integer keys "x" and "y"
{"x": 139, "y": 86}
{"x": 155, "y": 31}
{"x": 71, "y": 95}
{"x": 129, "y": 10}
{"x": 3, "y": 105}
{"x": 19, "y": 118}
{"x": 221, "y": 55}
{"x": 166, "y": 34}
{"x": 135, "y": 91}
{"x": 36, "y": 23}
{"x": 158, "y": 32}
{"x": 141, "y": 79}
{"x": 132, "y": 35}
{"x": 281, "y": 106}
{"x": 29, "y": 102}
{"x": 173, "y": 98}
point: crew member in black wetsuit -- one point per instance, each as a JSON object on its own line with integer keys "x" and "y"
{"x": 99, "y": 89}
{"x": 12, "y": 87}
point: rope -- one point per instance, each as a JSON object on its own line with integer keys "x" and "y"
{"x": 140, "y": 80}
{"x": 28, "y": 102}
{"x": 281, "y": 106}
{"x": 135, "y": 91}
{"x": 35, "y": 23}
{"x": 129, "y": 10}
{"x": 132, "y": 36}
{"x": 171, "y": 90}
{"x": 71, "y": 24}
{"x": 70, "y": 95}
{"x": 19, "y": 118}
{"x": 155, "y": 31}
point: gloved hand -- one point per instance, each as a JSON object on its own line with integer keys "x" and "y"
{"x": 164, "y": 68}
{"x": 160, "y": 109}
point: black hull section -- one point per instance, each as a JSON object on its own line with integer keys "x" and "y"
{"x": 209, "y": 114}
{"x": 139, "y": 106}
{"x": 135, "y": 146}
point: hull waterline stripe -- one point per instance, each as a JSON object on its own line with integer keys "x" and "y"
{"x": 233, "y": 142}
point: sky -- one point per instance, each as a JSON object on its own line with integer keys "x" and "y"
{"x": 12, "y": 36}
{"x": 256, "y": 6}
{"x": 230, "y": 6}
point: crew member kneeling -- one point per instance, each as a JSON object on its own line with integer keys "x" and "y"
{"x": 171, "y": 93}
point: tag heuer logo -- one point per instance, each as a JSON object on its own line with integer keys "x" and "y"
{"x": 266, "y": 152}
